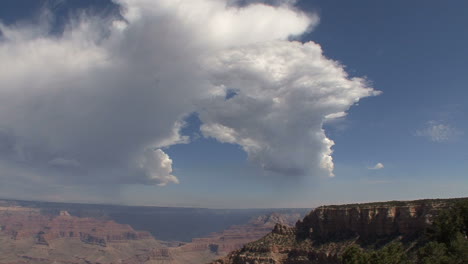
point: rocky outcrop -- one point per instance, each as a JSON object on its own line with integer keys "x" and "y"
{"x": 37, "y": 236}
{"x": 23, "y": 223}
{"x": 237, "y": 236}
{"x": 205, "y": 250}
{"x": 164, "y": 223}
{"x": 28, "y": 235}
{"x": 369, "y": 221}
{"x": 324, "y": 233}
{"x": 282, "y": 229}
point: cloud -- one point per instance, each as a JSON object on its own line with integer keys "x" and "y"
{"x": 377, "y": 166}
{"x": 109, "y": 95}
{"x": 285, "y": 91}
{"x": 437, "y": 131}
{"x": 156, "y": 167}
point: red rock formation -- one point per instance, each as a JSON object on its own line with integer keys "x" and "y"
{"x": 28, "y": 236}
{"x": 324, "y": 234}
{"x": 41, "y": 238}
{"x": 237, "y": 236}
{"x": 369, "y": 221}
{"x": 22, "y": 223}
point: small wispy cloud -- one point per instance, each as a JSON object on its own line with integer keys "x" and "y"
{"x": 437, "y": 131}
{"x": 377, "y": 166}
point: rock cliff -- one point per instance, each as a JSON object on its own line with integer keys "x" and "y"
{"x": 35, "y": 235}
{"x": 235, "y": 237}
{"x": 22, "y": 223}
{"x": 370, "y": 221}
{"x": 27, "y": 235}
{"x": 324, "y": 233}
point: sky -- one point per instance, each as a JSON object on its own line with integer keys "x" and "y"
{"x": 233, "y": 104}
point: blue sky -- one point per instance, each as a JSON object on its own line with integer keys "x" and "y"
{"x": 416, "y": 54}
{"x": 413, "y": 52}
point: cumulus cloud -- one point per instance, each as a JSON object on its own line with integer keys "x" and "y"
{"x": 377, "y": 166}
{"x": 437, "y": 131}
{"x": 156, "y": 167}
{"x": 107, "y": 98}
{"x": 285, "y": 91}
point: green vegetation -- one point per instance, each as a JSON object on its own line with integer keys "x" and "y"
{"x": 448, "y": 238}
{"x": 398, "y": 203}
{"x": 445, "y": 243}
{"x": 394, "y": 253}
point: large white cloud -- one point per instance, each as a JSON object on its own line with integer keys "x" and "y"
{"x": 100, "y": 102}
{"x": 285, "y": 91}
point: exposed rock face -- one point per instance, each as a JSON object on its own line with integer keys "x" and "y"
{"x": 369, "y": 221}
{"x": 29, "y": 236}
{"x": 322, "y": 236}
{"x": 237, "y": 236}
{"x": 283, "y": 230}
{"x": 22, "y": 223}
{"x": 203, "y": 250}
{"x": 164, "y": 223}
{"x": 38, "y": 236}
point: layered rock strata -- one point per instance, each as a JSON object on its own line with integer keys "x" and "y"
{"x": 22, "y": 223}
{"x": 37, "y": 236}
{"x": 235, "y": 237}
{"x": 29, "y": 236}
{"x": 322, "y": 235}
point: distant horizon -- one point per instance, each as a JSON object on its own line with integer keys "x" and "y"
{"x": 240, "y": 208}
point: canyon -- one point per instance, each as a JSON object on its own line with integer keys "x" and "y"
{"x": 29, "y": 236}
{"x": 235, "y": 237}
{"x": 38, "y": 232}
{"x": 323, "y": 235}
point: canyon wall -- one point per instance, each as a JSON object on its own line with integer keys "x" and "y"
{"x": 22, "y": 223}
{"x": 235, "y": 237}
{"x": 324, "y": 233}
{"x": 43, "y": 234}
{"x": 164, "y": 223}
{"x": 27, "y": 235}
{"x": 370, "y": 221}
